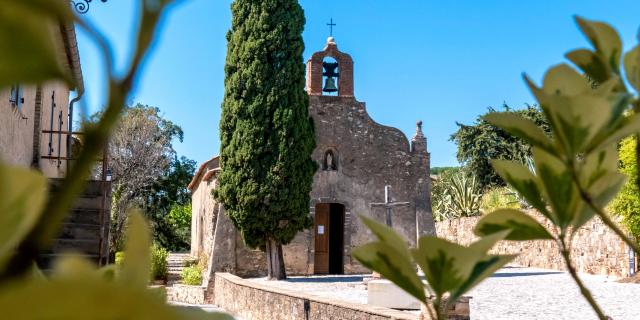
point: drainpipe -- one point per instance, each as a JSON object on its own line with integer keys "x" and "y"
{"x": 70, "y": 126}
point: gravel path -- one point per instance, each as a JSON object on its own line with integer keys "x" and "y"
{"x": 528, "y": 293}
{"x": 512, "y": 293}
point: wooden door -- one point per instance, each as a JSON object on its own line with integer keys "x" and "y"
{"x": 321, "y": 230}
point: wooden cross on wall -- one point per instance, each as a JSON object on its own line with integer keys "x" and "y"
{"x": 388, "y": 204}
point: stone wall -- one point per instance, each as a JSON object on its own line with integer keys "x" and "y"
{"x": 251, "y": 300}
{"x": 596, "y": 249}
{"x": 186, "y": 294}
{"x": 366, "y": 156}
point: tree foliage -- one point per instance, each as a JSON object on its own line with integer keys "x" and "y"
{"x": 482, "y": 141}
{"x": 140, "y": 154}
{"x": 627, "y": 203}
{"x": 167, "y": 203}
{"x": 266, "y": 133}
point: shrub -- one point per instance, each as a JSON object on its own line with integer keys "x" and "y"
{"x": 119, "y": 258}
{"x": 159, "y": 269}
{"x": 192, "y": 275}
{"x": 498, "y": 198}
{"x": 627, "y": 203}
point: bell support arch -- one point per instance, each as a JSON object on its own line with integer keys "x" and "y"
{"x": 314, "y": 70}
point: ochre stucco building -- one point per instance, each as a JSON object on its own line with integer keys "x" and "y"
{"x": 357, "y": 157}
{"x": 35, "y": 121}
{"x": 28, "y": 110}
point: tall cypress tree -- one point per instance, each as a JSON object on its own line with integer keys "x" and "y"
{"x": 266, "y": 133}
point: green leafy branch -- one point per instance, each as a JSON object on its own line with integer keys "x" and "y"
{"x": 449, "y": 269}
{"x": 576, "y": 173}
{"x": 29, "y": 221}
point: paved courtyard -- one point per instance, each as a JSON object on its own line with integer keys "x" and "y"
{"x": 512, "y": 293}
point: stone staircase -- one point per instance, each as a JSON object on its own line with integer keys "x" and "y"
{"x": 176, "y": 262}
{"x": 85, "y": 231}
{"x": 176, "y": 291}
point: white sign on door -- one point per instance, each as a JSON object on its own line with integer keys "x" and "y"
{"x": 320, "y": 229}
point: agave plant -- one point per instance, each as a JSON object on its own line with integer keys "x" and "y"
{"x": 464, "y": 195}
{"x": 458, "y": 197}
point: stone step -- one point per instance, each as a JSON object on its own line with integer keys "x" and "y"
{"x": 81, "y": 231}
{"x": 47, "y": 261}
{"x": 83, "y": 246}
{"x": 88, "y": 203}
{"x": 84, "y": 216}
{"x": 91, "y": 190}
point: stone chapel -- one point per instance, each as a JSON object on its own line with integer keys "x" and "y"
{"x": 357, "y": 158}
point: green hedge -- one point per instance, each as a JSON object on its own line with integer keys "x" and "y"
{"x": 627, "y": 203}
{"x": 498, "y": 198}
{"x": 192, "y": 275}
{"x": 159, "y": 267}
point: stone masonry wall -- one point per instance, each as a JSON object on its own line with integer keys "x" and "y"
{"x": 257, "y": 302}
{"x": 367, "y": 156}
{"x": 596, "y": 249}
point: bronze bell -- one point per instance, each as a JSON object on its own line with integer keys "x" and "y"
{"x": 330, "y": 85}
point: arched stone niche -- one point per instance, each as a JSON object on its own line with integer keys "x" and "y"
{"x": 330, "y": 160}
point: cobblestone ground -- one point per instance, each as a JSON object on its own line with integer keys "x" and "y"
{"x": 512, "y": 293}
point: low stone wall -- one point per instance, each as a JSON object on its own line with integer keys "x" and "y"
{"x": 596, "y": 249}
{"x": 251, "y": 300}
{"x": 186, "y": 294}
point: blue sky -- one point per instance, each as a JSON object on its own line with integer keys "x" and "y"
{"x": 437, "y": 61}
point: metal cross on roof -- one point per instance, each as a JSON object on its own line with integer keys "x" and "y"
{"x": 331, "y": 24}
{"x": 389, "y": 204}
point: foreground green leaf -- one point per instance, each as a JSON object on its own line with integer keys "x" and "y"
{"x": 482, "y": 270}
{"x": 520, "y": 127}
{"x": 136, "y": 269}
{"x": 29, "y": 53}
{"x": 632, "y": 67}
{"x": 382, "y": 258}
{"x": 23, "y": 193}
{"x": 85, "y": 296}
{"x": 589, "y": 62}
{"x": 523, "y": 181}
{"x": 606, "y": 42}
{"x": 387, "y": 235}
{"x": 522, "y": 226}
{"x": 446, "y": 265}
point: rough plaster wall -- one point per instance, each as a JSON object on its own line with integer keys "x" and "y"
{"x": 249, "y": 262}
{"x": 51, "y": 168}
{"x": 204, "y": 211}
{"x": 55, "y": 168}
{"x": 596, "y": 249}
{"x": 16, "y": 128}
{"x": 369, "y": 156}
